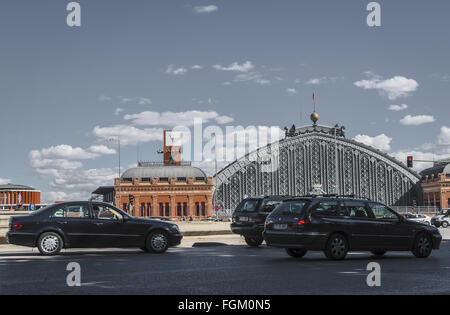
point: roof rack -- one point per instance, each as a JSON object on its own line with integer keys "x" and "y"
{"x": 333, "y": 196}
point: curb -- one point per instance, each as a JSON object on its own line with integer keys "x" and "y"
{"x": 187, "y": 233}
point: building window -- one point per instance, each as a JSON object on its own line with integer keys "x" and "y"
{"x": 142, "y": 209}
{"x": 146, "y": 179}
{"x": 199, "y": 179}
{"x": 197, "y": 209}
{"x": 167, "y": 210}
{"x": 164, "y": 179}
{"x": 125, "y": 208}
{"x": 149, "y": 210}
{"x": 185, "y": 210}
{"x": 161, "y": 209}
{"x": 181, "y": 179}
{"x": 179, "y": 209}
{"x": 203, "y": 209}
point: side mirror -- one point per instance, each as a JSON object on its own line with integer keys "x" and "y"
{"x": 402, "y": 219}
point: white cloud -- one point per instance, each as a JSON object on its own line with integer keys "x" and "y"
{"x": 409, "y": 120}
{"x": 104, "y": 98}
{"x": 245, "y": 67}
{"x": 381, "y": 142}
{"x": 176, "y": 71}
{"x": 4, "y": 181}
{"x": 65, "y": 151}
{"x": 101, "y": 149}
{"x": 398, "y": 108}
{"x": 251, "y": 77}
{"x": 172, "y": 119}
{"x": 394, "y": 88}
{"x": 444, "y": 136}
{"x": 125, "y": 100}
{"x": 118, "y": 110}
{"x": 144, "y": 101}
{"x": 196, "y": 67}
{"x": 291, "y": 91}
{"x": 206, "y": 9}
{"x": 128, "y": 135}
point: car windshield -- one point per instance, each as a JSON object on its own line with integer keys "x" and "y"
{"x": 443, "y": 212}
{"x": 248, "y": 206}
{"x": 291, "y": 207}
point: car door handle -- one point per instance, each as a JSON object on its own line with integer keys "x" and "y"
{"x": 62, "y": 222}
{"x": 99, "y": 223}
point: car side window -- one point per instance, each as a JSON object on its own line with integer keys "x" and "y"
{"x": 329, "y": 209}
{"x": 382, "y": 212}
{"x": 103, "y": 212}
{"x": 72, "y": 212}
{"x": 357, "y": 209}
{"x": 269, "y": 205}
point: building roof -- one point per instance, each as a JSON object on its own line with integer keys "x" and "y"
{"x": 436, "y": 169}
{"x": 103, "y": 190}
{"x": 15, "y": 187}
{"x": 163, "y": 172}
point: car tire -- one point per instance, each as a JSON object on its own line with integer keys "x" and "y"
{"x": 254, "y": 241}
{"x": 378, "y": 252}
{"x": 422, "y": 247}
{"x": 444, "y": 224}
{"x": 296, "y": 252}
{"x": 157, "y": 242}
{"x": 50, "y": 244}
{"x": 337, "y": 247}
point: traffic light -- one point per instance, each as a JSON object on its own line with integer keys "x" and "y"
{"x": 409, "y": 161}
{"x": 130, "y": 199}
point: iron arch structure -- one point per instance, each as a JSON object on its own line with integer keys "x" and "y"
{"x": 317, "y": 155}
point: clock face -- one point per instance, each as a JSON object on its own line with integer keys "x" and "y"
{"x": 173, "y": 138}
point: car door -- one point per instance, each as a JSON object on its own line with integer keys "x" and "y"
{"x": 114, "y": 231}
{"x": 328, "y": 216}
{"x": 75, "y": 222}
{"x": 395, "y": 233}
{"x": 362, "y": 225}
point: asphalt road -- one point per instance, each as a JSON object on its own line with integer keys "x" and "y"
{"x": 229, "y": 269}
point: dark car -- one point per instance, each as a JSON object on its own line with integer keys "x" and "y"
{"x": 249, "y": 217}
{"x": 90, "y": 225}
{"x": 339, "y": 225}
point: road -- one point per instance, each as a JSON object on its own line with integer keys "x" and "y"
{"x": 227, "y": 269}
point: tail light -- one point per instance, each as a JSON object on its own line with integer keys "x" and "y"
{"x": 15, "y": 226}
{"x": 302, "y": 222}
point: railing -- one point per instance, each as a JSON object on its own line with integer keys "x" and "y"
{"x": 417, "y": 209}
{"x": 152, "y": 164}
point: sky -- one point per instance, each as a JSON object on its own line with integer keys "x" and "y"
{"x": 137, "y": 67}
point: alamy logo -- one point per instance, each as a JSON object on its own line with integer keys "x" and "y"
{"x": 73, "y": 279}
{"x": 374, "y": 17}
{"x": 374, "y": 277}
{"x": 74, "y": 17}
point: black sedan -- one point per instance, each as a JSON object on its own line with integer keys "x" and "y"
{"x": 339, "y": 225}
{"x": 90, "y": 225}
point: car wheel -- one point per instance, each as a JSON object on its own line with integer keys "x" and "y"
{"x": 337, "y": 247}
{"x": 50, "y": 244}
{"x": 254, "y": 241}
{"x": 157, "y": 242}
{"x": 378, "y": 252}
{"x": 444, "y": 224}
{"x": 422, "y": 246}
{"x": 296, "y": 252}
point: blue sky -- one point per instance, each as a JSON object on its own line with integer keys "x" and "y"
{"x": 64, "y": 90}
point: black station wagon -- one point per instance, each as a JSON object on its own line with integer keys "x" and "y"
{"x": 90, "y": 225}
{"x": 339, "y": 225}
{"x": 250, "y": 215}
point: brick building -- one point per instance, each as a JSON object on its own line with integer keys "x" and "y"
{"x": 165, "y": 191}
{"x": 16, "y": 196}
{"x": 436, "y": 185}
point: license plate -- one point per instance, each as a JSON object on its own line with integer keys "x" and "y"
{"x": 243, "y": 219}
{"x": 280, "y": 226}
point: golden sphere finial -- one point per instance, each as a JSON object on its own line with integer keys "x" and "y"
{"x": 314, "y": 117}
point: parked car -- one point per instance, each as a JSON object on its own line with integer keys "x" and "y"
{"x": 338, "y": 225}
{"x": 418, "y": 218}
{"x": 249, "y": 217}
{"x": 90, "y": 225}
{"x": 442, "y": 218}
